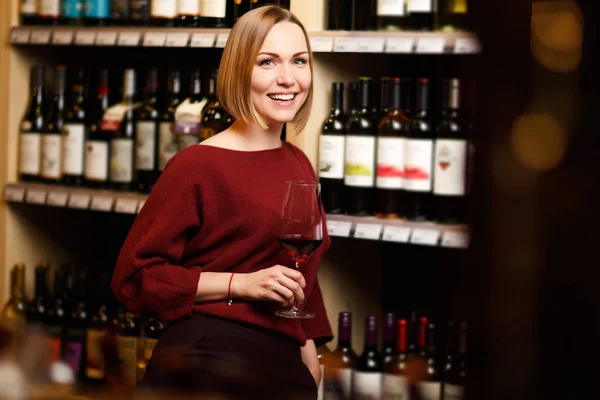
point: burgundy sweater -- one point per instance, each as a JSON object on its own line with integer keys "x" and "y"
{"x": 217, "y": 210}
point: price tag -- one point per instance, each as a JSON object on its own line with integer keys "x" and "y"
{"x": 427, "y": 237}
{"x": 85, "y": 38}
{"x": 102, "y": 203}
{"x": 140, "y": 205}
{"x": 20, "y": 36}
{"x": 129, "y": 39}
{"x": 321, "y": 44}
{"x": 62, "y": 38}
{"x": 177, "y": 39}
{"x": 203, "y": 40}
{"x": 14, "y": 194}
{"x": 400, "y": 45}
{"x": 40, "y": 37}
{"x": 36, "y": 196}
{"x": 57, "y": 199}
{"x": 222, "y": 40}
{"x": 371, "y": 45}
{"x": 367, "y": 231}
{"x": 106, "y": 38}
{"x": 467, "y": 45}
{"x": 456, "y": 240}
{"x": 339, "y": 228}
{"x": 155, "y": 39}
{"x": 398, "y": 234}
{"x": 346, "y": 45}
{"x": 126, "y": 206}
{"x": 79, "y": 200}
{"x": 433, "y": 45}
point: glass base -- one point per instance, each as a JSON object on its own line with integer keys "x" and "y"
{"x": 295, "y": 313}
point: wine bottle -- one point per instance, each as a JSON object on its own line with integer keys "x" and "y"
{"x": 71, "y": 12}
{"x": 365, "y": 15}
{"x": 367, "y": 377}
{"x": 395, "y": 383}
{"x": 13, "y": 313}
{"x": 352, "y": 100}
{"x": 49, "y": 12}
{"x": 139, "y": 12}
{"x": 168, "y": 145}
{"x": 119, "y": 12}
{"x": 430, "y": 386}
{"x": 340, "y": 363}
{"x": 420, "y": 14}
{"x": 128, "y": 340}
{"x": 57, "y": 313}
{"x": 152, "y": 331}
{"x": 188, "y": 13}
{"x": 390, "y": 157}
{"x": 360, "y": 155}
{"x": 122, "y": 160}
{"x": 383, "y": 103}
{"x": 101, "y": 323}
{"x": 37, "y": 309}
{"x": 339, "y": 15}
{"x": 74, "y": 133}
{"x": 188, "y": 115}
{"x": 52, "y": 154}
{"x": 389, "y": 339}
{"x": 31, "y": 127}
{"x": 419, "y": 158}
{"x": 455, "y": 375}
{"x": 392, "y": 15}
{"x": 75, "y": 334}
{"x": 451, "y": 156}
{"x": 323, "y": 353}
{"x": 213, "y": 13}
{"x": 97, "y": 143}
{"x": 452, "y": 15}
{"x": 214, "y": 117}
{"x": 29, "y": 11}
{"x": 331, "y": 153}
{"x": 96, "y": 12}
{"x": 146, "y": 136}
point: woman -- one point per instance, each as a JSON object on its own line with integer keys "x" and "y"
{"x": 203, "y": 255}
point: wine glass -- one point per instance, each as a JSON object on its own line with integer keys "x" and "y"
{"x": 301, "y": 230}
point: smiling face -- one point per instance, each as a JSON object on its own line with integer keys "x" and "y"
{"x": 281, "y": 78}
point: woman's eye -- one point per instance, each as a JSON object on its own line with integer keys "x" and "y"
{"x": 300, "y": 61}
{"x": 266, "y": 63}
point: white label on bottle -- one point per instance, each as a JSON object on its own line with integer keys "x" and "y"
{"x": 51, "y": 146}
{"x": 50, "y": 8}
{"x": 144, "y": 145}
{"x": 167, "y": 143}
{"x": 395, "y": 387}
{"x": 121, "y": 160}
{"x": 30, "y": 153}
{"x": 338, "y": 383}
{"x": 390, "y": 8}
{"x": 28, "y": 7}
{"x": 453, "y": 392}
{"x": 96, "y": 160}
{"x": 189, "y": 7}
{"x": 390, "y": 163}
{"x": 450, "y": 167}
{"x": 430, "y": 390}
{"x": 320, "y": 391}
{"x": 73, "y": 148}
{"x": 164, "y": 8}
{"x": 366, "y": 385}
{"x": 213, "y": 8}
{"x": 360, "y": 161}
{"x": 188, "y": 116}
{"x": 420, "y": 6}
{"x": 331, "y": 156}
{"x": 417, "y": 167}
{"x": 114, "y": 115}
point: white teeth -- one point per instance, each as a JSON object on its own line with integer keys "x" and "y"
{"x": 282, "y": 97}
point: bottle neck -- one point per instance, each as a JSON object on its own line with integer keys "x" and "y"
{"x": 384, "y": 102}
{"x": 353, "y": 100}
{"x": 371, "y": 333}
{"x": 453, "y": 101}
{"x": 402, "y": 337}
{"x": 337, "y": 104}
{"x": 212, "y": 87}
{"x": 17, "y": 283}
{"x": 365, "y": 95}
{"x": 462, "y": 339}
{"x": 422, "y": 98}
{"x": 103, "y": 98}
{"x": 40, "y": 284}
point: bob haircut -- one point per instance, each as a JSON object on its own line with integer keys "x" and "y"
{"x": 237, "y": 63}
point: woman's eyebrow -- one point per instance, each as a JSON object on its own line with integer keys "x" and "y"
{"x": 277, "y": 55}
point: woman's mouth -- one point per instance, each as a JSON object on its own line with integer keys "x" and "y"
{"x": 282, "y": 97}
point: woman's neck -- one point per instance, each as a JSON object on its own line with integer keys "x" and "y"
{"x": 253, "y": 137}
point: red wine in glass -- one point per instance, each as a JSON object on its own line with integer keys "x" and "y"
{"x": 298, "y": 247}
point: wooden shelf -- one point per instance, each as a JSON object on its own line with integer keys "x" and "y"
{"x": 321, "y": 41}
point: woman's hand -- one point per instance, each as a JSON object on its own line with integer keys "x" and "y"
{"x": 278, "y": 283}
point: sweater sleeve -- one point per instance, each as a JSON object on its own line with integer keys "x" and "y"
{"x": 317, "y": 328}
{"x": 148, "y": 278}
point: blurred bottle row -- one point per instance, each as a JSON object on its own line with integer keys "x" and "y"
{"x": 76, "y": 138}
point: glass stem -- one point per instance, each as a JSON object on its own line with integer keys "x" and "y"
{"x": 295, "y": 306}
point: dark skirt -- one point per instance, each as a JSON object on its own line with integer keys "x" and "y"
{"x": 207, "y": 357}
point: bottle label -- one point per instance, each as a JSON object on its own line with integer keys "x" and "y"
{"x": 96, "y": 9}
{"x": 366, "y": 385}
{"x": 168, "y": 145}
{"x": 453, "y": 392}
{"x": 72, "y": 8}
{"x": 73, "y": 352}
{"x": 417, "y": 167}
{"x": 321, "y": 389}
{"x": 188, "y": 116}
{"x": 390, "y": 163}
{"x": 28, "y": 7}
{"x": 450, "y": 167}
{"x": 95, "y": 354}
{"x": 121, "y": 160}
{"x": 213, "y": 8}
{"x": 149, "y": 345}
{"x": 430, "y": 390}
{"x": 331, "y": 156}
{"x": 189, "y": 7}
{"x": 164, "y": 8}
{"x": 127, "y": 349}
{"x": 424, "y": 6}
{"x": 360, "y": 161}
{"x": 338, "y": 383}
{"x": 390, "y": 8}
{"x": 96, "y": 160}
{"x": 114, "y": 115}
{"x": 395, "y": 387}
{"x": 51, "y": 149}
{"x": 73, "y": 148}
{"x": 144, "y": 145}
{"x": 50, "y": 8}
{"x": 30, "y": 153}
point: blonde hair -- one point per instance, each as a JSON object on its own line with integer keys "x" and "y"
{"x": 237, "y": 63}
